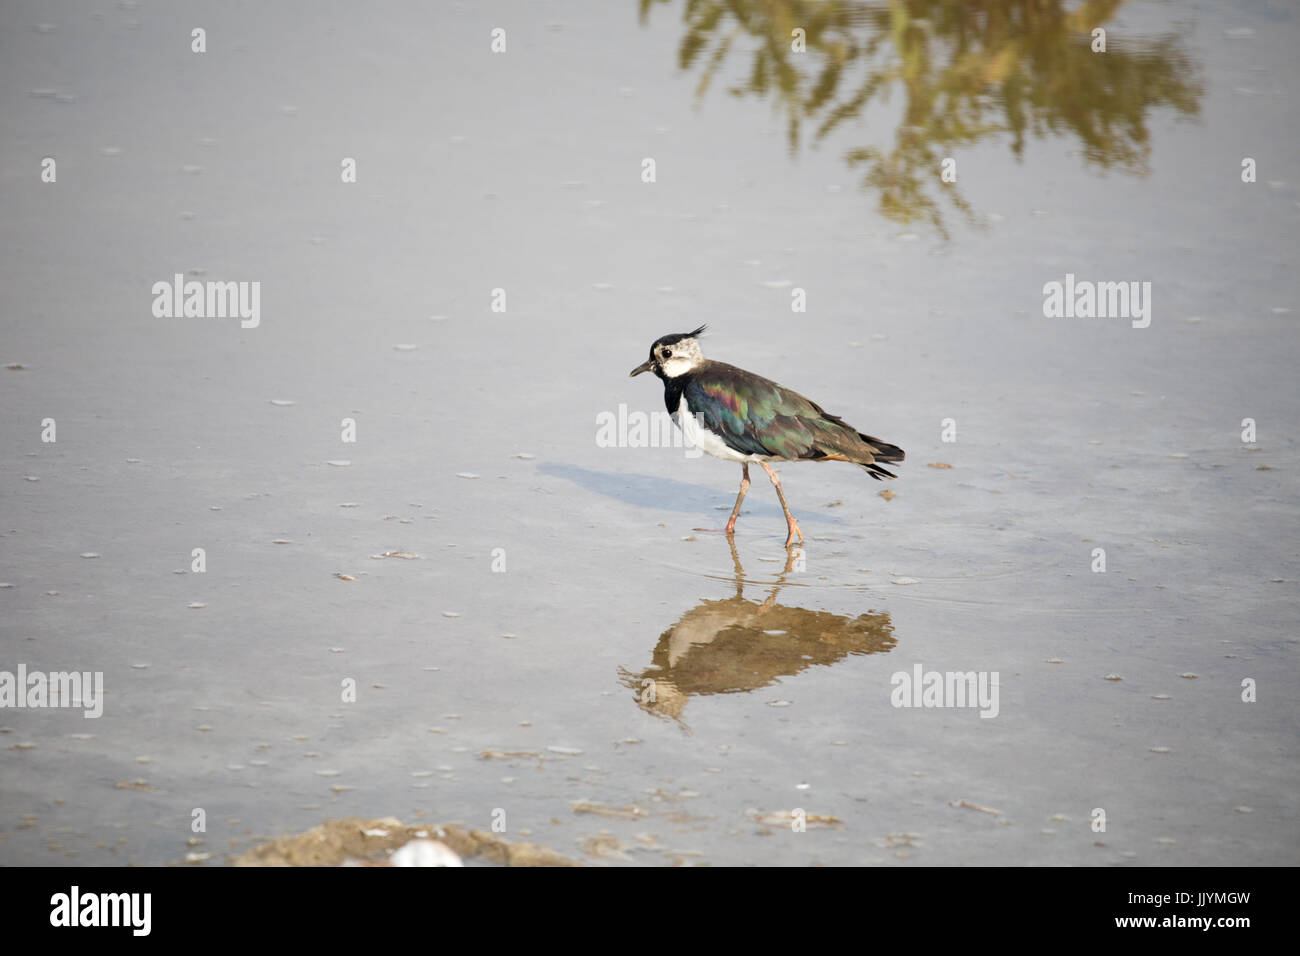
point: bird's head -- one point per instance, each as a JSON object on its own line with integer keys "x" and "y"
{"x": 673, "y": 355}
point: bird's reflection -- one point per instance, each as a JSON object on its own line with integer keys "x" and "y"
{"x": 962, "y": 70}
{"x": 734, "y": 644}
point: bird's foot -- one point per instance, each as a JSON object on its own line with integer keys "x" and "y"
{"x": 794, "y": 530}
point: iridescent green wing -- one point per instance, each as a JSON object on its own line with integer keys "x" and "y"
{"x": 756, "y": 416}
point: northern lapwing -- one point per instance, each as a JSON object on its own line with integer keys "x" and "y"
{"x": 739, "y": 416}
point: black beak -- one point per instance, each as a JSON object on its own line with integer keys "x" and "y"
{"x": 643, "y": 367}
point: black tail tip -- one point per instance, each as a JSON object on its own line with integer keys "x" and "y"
{"x": 883, "y": 450}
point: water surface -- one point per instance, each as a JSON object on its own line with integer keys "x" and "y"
{"x": 516, "y": 679}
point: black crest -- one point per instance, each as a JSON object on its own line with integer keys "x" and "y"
{"x": 678, "y": 336}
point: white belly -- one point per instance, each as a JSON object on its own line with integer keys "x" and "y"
{"x": 703, "y": 439}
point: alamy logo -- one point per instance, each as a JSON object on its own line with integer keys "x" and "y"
{"x": 643, "y": 430}
{"x": 102, "y": 909}
{"x": 922, "y": 688}
{"x": 208, "y": 300}
{"x": 55, "y": 689}
{"x": 1098, "y": 300}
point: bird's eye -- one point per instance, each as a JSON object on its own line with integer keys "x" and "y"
{"x": 668, "y": 353}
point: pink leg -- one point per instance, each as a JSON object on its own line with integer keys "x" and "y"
{"x": 744, "y": 487}
{"x": 790, "y": 523}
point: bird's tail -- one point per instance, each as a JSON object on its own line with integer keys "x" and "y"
{"x": 881, "y": 451}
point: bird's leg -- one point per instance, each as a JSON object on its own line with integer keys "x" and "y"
{"x": 791, "y": 524}
{"x": 744, "y": 487}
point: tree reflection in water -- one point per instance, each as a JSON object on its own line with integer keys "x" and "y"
{"x": 965, "y": 69}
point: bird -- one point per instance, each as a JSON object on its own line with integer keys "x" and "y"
{"x": 738, "y": 416}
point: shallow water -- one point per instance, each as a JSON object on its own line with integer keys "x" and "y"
{"x": 613, "y": 679}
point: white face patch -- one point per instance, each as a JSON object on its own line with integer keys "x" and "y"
{"x": 679, "y": 358}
